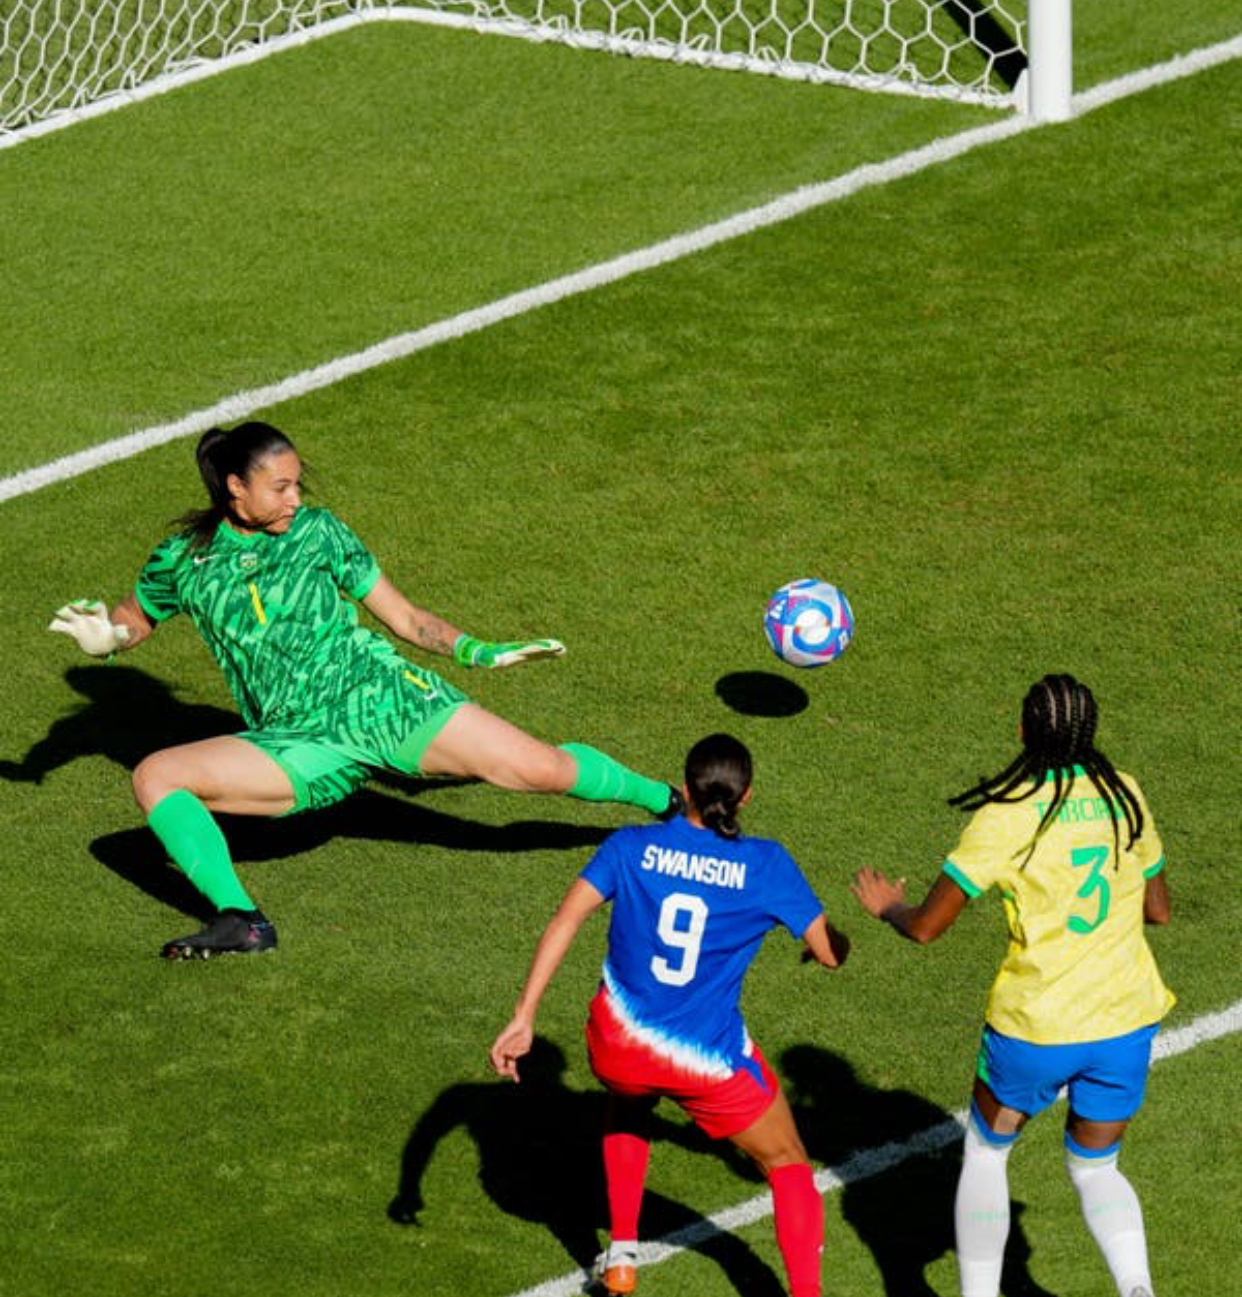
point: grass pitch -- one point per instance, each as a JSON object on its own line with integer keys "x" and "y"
{"x": 994, "y": 402}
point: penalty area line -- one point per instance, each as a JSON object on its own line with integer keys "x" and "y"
{"x": 872, "y": 1161}
{"x": 244, "y": 404}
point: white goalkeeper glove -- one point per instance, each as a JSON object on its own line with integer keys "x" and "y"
{"x": 473, "y": 652}
{"x": 87, "y": 621}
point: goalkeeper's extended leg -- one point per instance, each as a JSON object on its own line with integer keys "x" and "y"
{"x": 174, "y": 787}
{"x": 193, "y": 839}
{"x": 476, "y": 744}
{"x": 602, "y": 778}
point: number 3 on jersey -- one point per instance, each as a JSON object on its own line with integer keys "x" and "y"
{"x": 1095, "y": 858}
{"x": 682, "y": 920}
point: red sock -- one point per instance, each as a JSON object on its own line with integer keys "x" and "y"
{"x": 625, "y": 1169}
{"x": 799, "y": 1217}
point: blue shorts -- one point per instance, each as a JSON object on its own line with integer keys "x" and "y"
{"x": 1105, "y": 1078}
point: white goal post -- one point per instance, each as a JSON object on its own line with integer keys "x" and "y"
{"x": 61, "y": 60}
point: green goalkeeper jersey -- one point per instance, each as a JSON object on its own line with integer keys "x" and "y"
{"x": 273, "y": 611}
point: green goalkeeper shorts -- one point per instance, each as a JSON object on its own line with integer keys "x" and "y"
{"x": 386, "y": 725}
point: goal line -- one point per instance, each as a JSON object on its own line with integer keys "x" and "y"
{"x": 873, "y": 1161}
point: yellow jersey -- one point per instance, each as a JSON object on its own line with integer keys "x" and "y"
{"x": 1078, "y": 966}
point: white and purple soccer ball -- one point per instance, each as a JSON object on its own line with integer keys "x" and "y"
{"x": 808, "y": 622}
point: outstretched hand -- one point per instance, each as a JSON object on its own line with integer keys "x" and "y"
{"x": 512, "y": 1043}
{"x": 876, "y": 893}
{"x": 87, "y": 621}
{"x": 473, "y": 652}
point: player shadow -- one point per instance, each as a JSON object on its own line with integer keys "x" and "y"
{"x": 138, "y": 857}
{"x": 123, "y": 715}
{"x": 127, "y": 714}
{"x": 540, "y": 1160}
{"x": 761, "y": 693}
{"x": 898, "y": 1157}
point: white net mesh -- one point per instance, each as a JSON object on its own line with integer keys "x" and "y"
{"x": 57, "y": 56}
{"x": 966, "y": 49}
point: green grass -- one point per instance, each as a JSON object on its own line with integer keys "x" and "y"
{"x": 235, "y": 232}
{"x": 993, "y": 401}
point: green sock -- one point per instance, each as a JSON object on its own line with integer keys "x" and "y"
{"x": 601, "y": 778}
{"x": 194, "y": 841}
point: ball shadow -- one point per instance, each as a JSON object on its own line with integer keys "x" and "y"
{"x": 761, "y": 693}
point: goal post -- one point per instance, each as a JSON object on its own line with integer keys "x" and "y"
{"x": 61, "y": 59}
{"x": 1050, "y": 77}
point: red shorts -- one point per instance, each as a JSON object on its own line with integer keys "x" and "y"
{"x": 720, "y": 1106}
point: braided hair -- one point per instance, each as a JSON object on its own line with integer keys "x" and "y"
{"x": 718, "y": 776}
{"x": 1059, "y": 717}
{"x": 223, "y": 453}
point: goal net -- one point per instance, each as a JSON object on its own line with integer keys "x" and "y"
{"x": 62, "y": 57}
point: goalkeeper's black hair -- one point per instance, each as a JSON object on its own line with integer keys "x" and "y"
{"x": 1059, "y": 717}
{"x": 222, "y": 453}
{"x": 718, "y": 775}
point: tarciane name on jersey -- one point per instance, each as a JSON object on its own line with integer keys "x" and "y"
{"x": 700, "y": 869}
{"x": 1075, "y": 810}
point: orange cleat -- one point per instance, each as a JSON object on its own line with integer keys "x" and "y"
{"x": 617, "y": 1269}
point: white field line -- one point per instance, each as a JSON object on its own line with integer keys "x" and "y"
{"x": 807, "y": 198}
{"x": 872, "y": 1161}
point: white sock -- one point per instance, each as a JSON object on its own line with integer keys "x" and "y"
{"x": 1114, "y": 1217}
{"x": 981, "y": 1214}
{"x": 624, "y": 1252}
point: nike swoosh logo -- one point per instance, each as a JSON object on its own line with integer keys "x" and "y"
{"x": 204, "y": 558}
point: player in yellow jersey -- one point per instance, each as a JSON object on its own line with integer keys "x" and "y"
{"x": 272, "y": 587}
{"x": 1070, "y": 845}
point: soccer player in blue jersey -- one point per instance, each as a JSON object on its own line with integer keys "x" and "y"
{"x": 1070, "y": 844}
{"x": 271, "y": 587}
{"x": 692, "y": 899}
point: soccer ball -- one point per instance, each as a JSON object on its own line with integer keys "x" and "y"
{"x": 808, "y": 622}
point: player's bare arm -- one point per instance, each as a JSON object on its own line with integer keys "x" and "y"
{"x": 427, "y": 631}
{"x": 129, "y": 613}
{"x": 415, "y": 625}
{"x": 581, "y": 901}
{"x": 1156, "y": 906}
{"x": 886, "y": 900}
{"x": 825, "y": 944}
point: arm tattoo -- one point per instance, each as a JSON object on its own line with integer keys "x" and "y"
{"x": 434, "y": 635}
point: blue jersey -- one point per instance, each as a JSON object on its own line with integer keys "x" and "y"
{"x": 689, "y": 910}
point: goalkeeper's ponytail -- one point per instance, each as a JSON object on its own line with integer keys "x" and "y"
{"x": 223, "y": 453}
{"x": 718, "y": 777}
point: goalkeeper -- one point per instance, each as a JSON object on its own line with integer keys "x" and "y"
{"x": 325, "y": 701}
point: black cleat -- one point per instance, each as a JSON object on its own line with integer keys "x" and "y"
{"x": 231, "y": 932}
{"x": 676, "y": 805}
